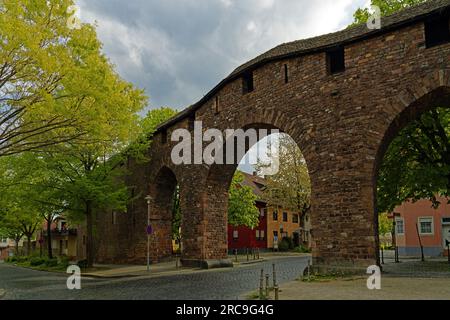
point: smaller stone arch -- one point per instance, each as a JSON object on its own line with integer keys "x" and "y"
{"x": 162, "y": 190}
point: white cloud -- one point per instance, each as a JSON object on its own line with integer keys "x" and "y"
{"x": 179, "y": 50}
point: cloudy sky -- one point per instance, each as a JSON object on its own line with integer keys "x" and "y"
{"x": 178, "y": 50}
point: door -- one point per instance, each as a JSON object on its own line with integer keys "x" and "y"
{"x": 445, "y": 235}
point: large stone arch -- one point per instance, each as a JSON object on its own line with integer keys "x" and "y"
{"x": 219, "y": 176}
{"x": 428, "y": 93}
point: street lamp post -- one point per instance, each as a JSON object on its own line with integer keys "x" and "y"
{"x": 149, "y": 201}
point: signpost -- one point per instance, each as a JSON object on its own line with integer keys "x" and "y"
{"x": 149, "y": 230}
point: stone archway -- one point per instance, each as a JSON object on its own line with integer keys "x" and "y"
{"x": 162, "y": 190}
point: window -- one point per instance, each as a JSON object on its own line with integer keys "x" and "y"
{"x": 286, "y": 74}
{"x": 336, "y": 60}
{"x": 235, "y": 234}
{"x": 164, "y": 136}
{"x": 275, "y": 216}
{"x": 263, "y": 212}
{"x": 247, "y": 83}
{"x": 262, "y": 234}
{"x": 437, "y": 31}
{"x": 285, "y": 216}
{"x": 217, "y": 105}
{"x": 295, "y": 218}
{"x": 399, "y": 226}
{"x": 257, "y": 234}
{"x": 191, "y": 122}
{"x": 426, "y": 225}
{"x": 446, "y": 220}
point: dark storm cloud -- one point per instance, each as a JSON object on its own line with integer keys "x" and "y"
{"x": 178, "y": 50}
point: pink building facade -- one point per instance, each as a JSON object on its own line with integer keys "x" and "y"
{"x": 414, "y": 221}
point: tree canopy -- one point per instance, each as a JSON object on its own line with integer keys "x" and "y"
{"x": 55, "y": 84}
{"x": 242, "y": 210}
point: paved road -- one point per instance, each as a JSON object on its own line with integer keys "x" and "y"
{"x": 20, "y": 283}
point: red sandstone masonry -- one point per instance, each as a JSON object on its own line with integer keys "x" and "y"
{"x": 342, "y": 123}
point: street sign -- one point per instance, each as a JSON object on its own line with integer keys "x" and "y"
{"x": 149, "y": 229}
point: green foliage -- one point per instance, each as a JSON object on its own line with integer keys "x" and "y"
{"x": 290, "y": 188}
{"x": 302, "y": 249}
{"x": 387, "y": 7}
{"x": 36, "y": 261}
{"x": 242, "y": 210}
{"x": 417, "y": 162}
{"x": 285, "y": 244}
{"x": 51, "y": 262}
{"x": 384, "y": 224}
{"x": 176, "y": 215}
{"x": 56, "y": 85}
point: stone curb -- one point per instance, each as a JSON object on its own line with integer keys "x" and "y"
{"x": 2, "y": 293}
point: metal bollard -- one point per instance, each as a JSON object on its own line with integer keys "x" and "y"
{"x": 274, "y": 276}
{"x": 261, "y": 285}
{"x": 258, "y": 253}
{"x": 267, "y": 285}
{"x": 309, "y": 270}
{"x": 236, "y": 255}
{"x": 247, "y": 253}
{"x": 276, "y": 293}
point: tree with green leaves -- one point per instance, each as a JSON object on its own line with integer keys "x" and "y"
{"x": 416, "y": 164}
{"x": 387, "y": 7}
{"x": 56, "y": 86}
{"x": 242, "y": 210}
{"x": 290, "y": 187}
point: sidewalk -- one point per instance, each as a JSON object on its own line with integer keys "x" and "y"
{"x": 410, "y": 279}
{"x": 392, "y": 288}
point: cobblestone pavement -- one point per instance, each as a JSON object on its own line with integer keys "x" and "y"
{"x": 20, "y": 283}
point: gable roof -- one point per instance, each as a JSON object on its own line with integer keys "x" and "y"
{"x": 255, "y": 183}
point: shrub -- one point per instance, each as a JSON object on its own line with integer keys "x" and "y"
{"x": 21, "y": 259}
{"x": 82, "y": 264}
{"x": 289, "y": 243}
{"x": 11, "y": 259}
{"x": 302, "y": 249}
{"x": 51, "y": 262}
{"x": 37, "y": 261}
{"x": 284, "y": 245}
{"x": 63, "y": 262}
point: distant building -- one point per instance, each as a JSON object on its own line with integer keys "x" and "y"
{"x": 274, "y": 223}
{"x": 7, "y": 247}
{"x": 414, "y": 220}
{"x": 66, "y": 240}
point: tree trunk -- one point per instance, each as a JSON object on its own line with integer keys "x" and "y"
{"x": 90, "y": 235}
{"x": 28, "y": 244}
{"x": 17, "y": 245}
{"x": 49, "y": 238}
